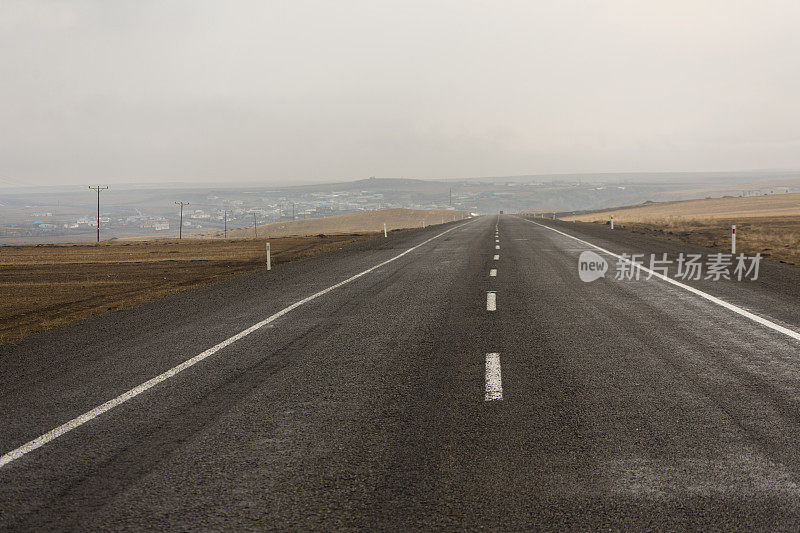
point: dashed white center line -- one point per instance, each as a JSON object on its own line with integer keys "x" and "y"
{"x": 496, "y": 246}
{"x": 493, "y": 272}
{"x": 497, "y": 240}
{"x": 496, "y": 257}
{"x": 494, "y": 380}
{"x": 491, "y": 301}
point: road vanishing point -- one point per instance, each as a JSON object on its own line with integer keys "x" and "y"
{"x": 456, "y": 377}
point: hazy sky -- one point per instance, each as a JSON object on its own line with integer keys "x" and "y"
{"x": 115, "y": 91}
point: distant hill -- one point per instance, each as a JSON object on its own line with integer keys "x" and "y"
{"x": 773, "y": 205}
{"x": 379, "y": 184}
{"x": 351, "y": 223}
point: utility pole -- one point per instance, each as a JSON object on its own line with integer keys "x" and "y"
{"x": 226, "y": 223}
{"x": 292, "y": 210}
{"x": 255, "y": 228}
{"x": 180, "y": 226}
{"x": 451, "y": 197}
{"x": 98, "y": 189}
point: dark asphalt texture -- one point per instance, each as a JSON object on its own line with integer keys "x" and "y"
{"x": 626, "y": 404}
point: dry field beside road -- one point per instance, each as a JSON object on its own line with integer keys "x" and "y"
{"x": 352, "y": 222}
{"x": 45, "y": 286}
{"x": 774, "y": 205}
{"x": 769, "y": 225}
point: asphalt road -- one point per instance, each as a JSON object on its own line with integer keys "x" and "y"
{"x": 399, "y": 401}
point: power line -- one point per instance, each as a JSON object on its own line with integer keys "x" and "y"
{"x": 180, "y": 226}
{"x": 98, "y": 188}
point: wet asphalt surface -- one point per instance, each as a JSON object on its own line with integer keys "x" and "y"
{"x": 626, "y": 404}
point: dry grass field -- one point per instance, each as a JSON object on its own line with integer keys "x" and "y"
{"x": 44, "y": 286}
{"x": 769, "y": 225}
{"x": 352, "y": 223}
{"x": 775, "y": 205}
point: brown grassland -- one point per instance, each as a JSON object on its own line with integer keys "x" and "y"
{"x": 774, "y": 205}
{"x": 45, "y": 286}
{"x": 351, "y": 222}
{"x": 769, "y": 225}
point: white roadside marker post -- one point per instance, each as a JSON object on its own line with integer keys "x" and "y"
{"x": 612, "y": 221}
{"x": 269, "y": 261}
{"x": 733, "y": 239}
{"x": 384, "y": 230}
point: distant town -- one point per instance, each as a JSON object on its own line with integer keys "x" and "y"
{"x": 26, "y": 218}
{"x": 41, "y": 215}
{"x": 217, "y": 212}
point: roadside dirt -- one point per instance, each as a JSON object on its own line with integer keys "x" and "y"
{"x": 45, "y": 286}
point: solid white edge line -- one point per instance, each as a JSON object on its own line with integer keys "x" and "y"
{"x": 494, "y": 378}
{"x": 53, "y": 434}
{"x": 713, "y": 299}
{"x": 491, "y": 301}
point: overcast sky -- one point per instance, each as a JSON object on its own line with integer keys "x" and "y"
{"x": 112, "y": 91}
